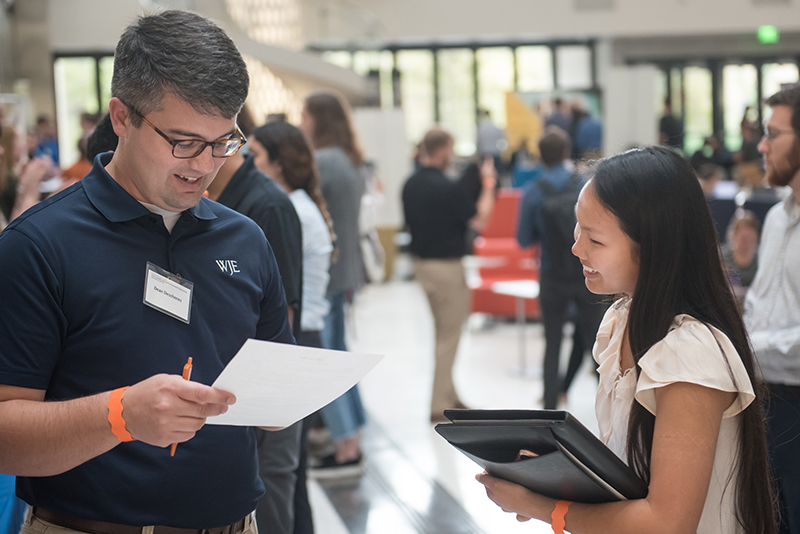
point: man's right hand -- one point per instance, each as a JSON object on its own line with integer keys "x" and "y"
{"x": 166, "y": 409}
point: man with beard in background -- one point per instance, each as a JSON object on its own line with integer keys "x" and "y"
{"x": 772, "y": 306}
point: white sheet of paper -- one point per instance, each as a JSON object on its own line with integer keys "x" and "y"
{"x": 277, "y": 384}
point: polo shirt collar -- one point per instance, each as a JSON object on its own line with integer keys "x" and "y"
{"x": 240, "y": 183}
{"x": 116, "y": 204}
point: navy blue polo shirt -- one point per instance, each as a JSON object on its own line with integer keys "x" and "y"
{"x": 72, "y": 323}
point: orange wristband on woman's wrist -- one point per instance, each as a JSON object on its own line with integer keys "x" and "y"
{"x": 558, "y": 516}
{"x": 115, "y": 415}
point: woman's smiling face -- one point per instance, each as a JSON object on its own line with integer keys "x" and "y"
{"x": 609, "y": 256}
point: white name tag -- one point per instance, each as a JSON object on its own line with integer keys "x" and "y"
{"x": 168, "y": 293}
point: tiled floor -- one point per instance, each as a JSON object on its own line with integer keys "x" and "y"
{"x": 416, "y": 482}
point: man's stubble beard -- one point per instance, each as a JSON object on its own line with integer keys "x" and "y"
{"x": 781, "y": 177}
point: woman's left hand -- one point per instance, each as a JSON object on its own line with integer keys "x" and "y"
{"x": 511, "y": 497}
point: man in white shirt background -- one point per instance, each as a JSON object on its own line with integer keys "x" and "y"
{"x": 772, "y": 305}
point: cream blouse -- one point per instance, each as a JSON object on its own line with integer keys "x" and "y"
{"x": 688, "y": 353}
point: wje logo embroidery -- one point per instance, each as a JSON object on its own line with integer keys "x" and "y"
{"x": 228, "y": 266}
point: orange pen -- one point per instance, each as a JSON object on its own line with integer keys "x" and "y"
{"x": 187, "y": 374}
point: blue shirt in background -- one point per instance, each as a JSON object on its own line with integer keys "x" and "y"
{"x": 47, "y": 147}
{"x": 12, "y": 509}
{"x": 589, "y": 135}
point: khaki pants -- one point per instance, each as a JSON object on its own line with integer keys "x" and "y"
{"x": 449, "y": 297}
{"x": 34, "y": 525}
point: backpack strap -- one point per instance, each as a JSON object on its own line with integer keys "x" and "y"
{"x": 546, "y": 187}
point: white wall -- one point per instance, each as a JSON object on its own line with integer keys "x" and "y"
{"x": 32, "y": 53}
{"x": 382, "y": 134}
{"x": 630, "y": 110}
{"x": 7, "y": 74}
{"x": 89, "y": 25}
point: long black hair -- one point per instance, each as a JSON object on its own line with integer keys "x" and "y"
{"x": 657, "y": 199}
{"x": 289, "y": 147}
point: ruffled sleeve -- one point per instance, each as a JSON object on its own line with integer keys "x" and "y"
{"x": 690, "y": 353}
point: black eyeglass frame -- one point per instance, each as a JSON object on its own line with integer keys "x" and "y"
{"x": 242, "y": 139}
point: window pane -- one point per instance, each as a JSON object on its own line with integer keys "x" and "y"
{"x": 416, "y": 88}
{"x": 339, "y": 58}
{"x": 534, "y": 68}
{"x": 495, "y": 79}
{"x": 106, "y": 71}
{"x": 457, "y": 98}
{"x": 662, "y": 79}
{"x": 739, "y": 83}
{"x": 76, "y": 92}
{"x": 574, "y": 67}
{"x": 775, "y": 75}
{"x": 676, "y": 79}
{"x": 365, "y": 61}
{"x": 386, "y": 66}
{"x": 697, "y": 118}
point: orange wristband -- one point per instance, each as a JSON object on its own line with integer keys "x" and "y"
{"x": 115, "y": 415}
{"x": 558, "y": 516}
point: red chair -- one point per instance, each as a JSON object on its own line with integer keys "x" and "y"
{"x": 500, "y": 258}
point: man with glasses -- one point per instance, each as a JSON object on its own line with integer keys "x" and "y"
{"x": 772, "y": 305}
{"x": 111, "y": 285}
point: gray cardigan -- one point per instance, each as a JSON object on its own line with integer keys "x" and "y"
{"x": 343, "y": 184}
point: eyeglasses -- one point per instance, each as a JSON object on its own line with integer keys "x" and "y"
{"x": 771, "y": 135}
{"x": 191, "y": 148}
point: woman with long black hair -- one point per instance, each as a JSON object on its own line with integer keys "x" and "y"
{"x": 677, "y": 379}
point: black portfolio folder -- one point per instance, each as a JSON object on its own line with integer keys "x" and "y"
{"x": 572, "y": 464}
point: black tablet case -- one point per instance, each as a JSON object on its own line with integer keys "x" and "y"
{"x": 572, "y": 464}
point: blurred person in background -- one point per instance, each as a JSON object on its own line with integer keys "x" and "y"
{"x": 740, "y": 252}
{"x": 670, "y": 128}
{"x": 281, "y": 151}
{"x": 327, "y": 123}
{"x": 709, "y": 176}
{"x": 242, "y": 187}
{"x": 103, "y": 139}
{"x": 80, "y": 168}
{"x": 561, "y": 279}
{"x": 588, "y": 134}
{"x": 9, "y": 158}
{"x": 772, "y": 304}
{"x": 491, "y": 139}
{"x": 88, "y": 123}
{"x": 438, "y": 213}
{"x": 715, "y": 153}
{"x": 474, "y": 178}
{"x": 751, "y": 135}
{"x": 46, "y": 140}
{"x": 560, "y": 116}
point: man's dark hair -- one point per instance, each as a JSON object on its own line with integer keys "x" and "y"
{"x": 554, "y": 146}
{"x": 790, "y": 98}
{"x": 183, "y": 54}
{"x": 103, "y": 138}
